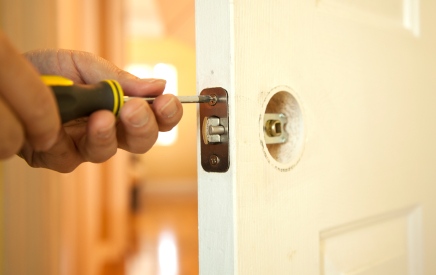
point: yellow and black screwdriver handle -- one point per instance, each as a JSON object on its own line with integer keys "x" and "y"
{"x": 76, "y": 100}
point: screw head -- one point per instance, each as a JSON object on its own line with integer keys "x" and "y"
{"x": 214, "y": 160}
{"x": 214, "y": 100}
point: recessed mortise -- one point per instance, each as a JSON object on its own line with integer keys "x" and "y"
{"x": 282, "y": 128}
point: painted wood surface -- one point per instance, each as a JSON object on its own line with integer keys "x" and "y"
{"x": 216, "y": 191}
{"x": 358, "y": 196}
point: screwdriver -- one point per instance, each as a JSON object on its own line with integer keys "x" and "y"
{"x": 77, "y": 100}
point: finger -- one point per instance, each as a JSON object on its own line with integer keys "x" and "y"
{"x": 138, "y": 130}
{"x": 168, "y": 111}
{"x": 12, "y": 133}
{"x": 100, "y": 142}
{"x": 30, "y": 100}
{"x": 81, "y": 140}
{"x": 62, "y": 156}
{"x": 83, "y": 67}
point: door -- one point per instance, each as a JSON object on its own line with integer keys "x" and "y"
{"x": 352, "y": 190}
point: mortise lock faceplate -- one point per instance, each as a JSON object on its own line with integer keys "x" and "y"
{"x": 214, "y": 128}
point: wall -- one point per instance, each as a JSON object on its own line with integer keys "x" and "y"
{"x": 171, "y": 168}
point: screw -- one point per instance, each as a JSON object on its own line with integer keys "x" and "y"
{"x": 214, "y": 160}
{"x": 214, "y": 100}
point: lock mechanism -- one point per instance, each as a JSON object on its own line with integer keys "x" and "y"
{"x": 214, "y": 128}
{"x": 274, "y": 128}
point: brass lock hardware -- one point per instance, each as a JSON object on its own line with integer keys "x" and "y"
{"x": 274, "y": 128}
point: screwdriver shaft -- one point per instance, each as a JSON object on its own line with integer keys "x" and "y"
{"x": 183, "y": 99}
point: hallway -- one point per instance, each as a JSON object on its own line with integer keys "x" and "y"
{"x": 166, "y": 238}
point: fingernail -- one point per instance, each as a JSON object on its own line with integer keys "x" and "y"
{"x": 105, "y": 133}
{"x": 138, "y": 118}
{"x": 169, "y": 109}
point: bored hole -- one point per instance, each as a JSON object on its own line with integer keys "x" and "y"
{"x": 287, "y": 154}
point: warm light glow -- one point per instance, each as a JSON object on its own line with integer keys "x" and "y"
{"x": 141, "y": 263}
{"x": 411, "y": 16}
{"x": 140, "y": 70}
{"x": 163, "y": 71}
{"x": 167, "y": 254}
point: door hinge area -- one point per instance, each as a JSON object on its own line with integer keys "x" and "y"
{"x": 214, "y": 128}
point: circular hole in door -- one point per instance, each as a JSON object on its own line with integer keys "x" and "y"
{"x": 284, "y": 156}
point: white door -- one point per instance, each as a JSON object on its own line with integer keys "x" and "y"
{"x": 353, "y": 190}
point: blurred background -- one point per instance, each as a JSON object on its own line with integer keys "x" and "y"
{"x": 135, "y": 214}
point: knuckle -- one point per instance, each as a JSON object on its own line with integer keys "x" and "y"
{"x": 62, "y": 161}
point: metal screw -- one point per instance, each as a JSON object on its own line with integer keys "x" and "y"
{"x": 214, "y": 100}
{"x": 214, "y": 160}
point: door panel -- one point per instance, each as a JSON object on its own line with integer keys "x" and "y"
{"x": 358, "y": 199}
{"x": 387, "y": 244}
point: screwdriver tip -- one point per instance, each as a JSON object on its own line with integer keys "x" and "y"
{"x": 211, "y": 99}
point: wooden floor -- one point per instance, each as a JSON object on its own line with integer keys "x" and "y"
{"x": 166, "y": 238}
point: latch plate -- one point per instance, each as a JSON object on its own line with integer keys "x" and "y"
{"x": 214, "y": 121}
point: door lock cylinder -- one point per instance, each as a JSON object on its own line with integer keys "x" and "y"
{"x": 274, "y": 128}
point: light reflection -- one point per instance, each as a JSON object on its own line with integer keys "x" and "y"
{"x": 163, "y": 71}
{"x": 140, "y": 70}
{"x": 411, "y": 16}
{"x": 141, "y": 263}
{"x": 167, "y": 254}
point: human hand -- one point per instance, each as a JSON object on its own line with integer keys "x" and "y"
{"x": 96, "y": 138}
{"x": 28, "y": 111}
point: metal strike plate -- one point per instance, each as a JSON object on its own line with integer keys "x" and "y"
{"x": 214, "y": 128}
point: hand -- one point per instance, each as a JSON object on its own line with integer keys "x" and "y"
{"x": 28, "y": 111}
{"x": 96, "y": 139}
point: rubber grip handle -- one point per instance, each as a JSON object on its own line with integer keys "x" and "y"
{"x": 76, "y": 101}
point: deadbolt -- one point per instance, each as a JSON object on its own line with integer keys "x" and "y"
{"x": 213, "y": 130}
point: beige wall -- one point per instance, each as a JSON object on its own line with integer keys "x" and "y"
{"x": 171, "y": 168}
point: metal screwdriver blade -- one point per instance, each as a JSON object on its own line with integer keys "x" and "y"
{"x": 183, "y": 99}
